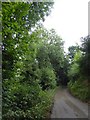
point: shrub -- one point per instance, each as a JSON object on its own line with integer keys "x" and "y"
{"x": 80, "y": 89}
{"x": 48, "y": 78}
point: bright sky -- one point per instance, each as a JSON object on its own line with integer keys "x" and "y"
{"x": 69, "y": 18}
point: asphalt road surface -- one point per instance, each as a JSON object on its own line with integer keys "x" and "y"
{"x": 67, "y": 106}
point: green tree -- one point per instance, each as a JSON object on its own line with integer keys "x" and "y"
{"x": 17, "y": 19}
{"x": 51, "y": 54}
{"x": 56, "y": 55}
{"x": 74, "y": 69}
{"x": 79, "y": 71}
{"x": 84, "y": 62}
{"x": 20, "y": 70}
{"x": 71, "y": 52}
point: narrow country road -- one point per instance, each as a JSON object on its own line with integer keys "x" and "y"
{"x": 67, "y": 106}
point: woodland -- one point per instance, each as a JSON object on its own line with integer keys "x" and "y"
{"x": 34, "y": 62}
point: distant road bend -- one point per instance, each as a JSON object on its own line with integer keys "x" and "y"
{"x": 67, "y": 106}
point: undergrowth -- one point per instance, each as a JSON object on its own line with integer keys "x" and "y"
{"x": 80, "y": 89}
